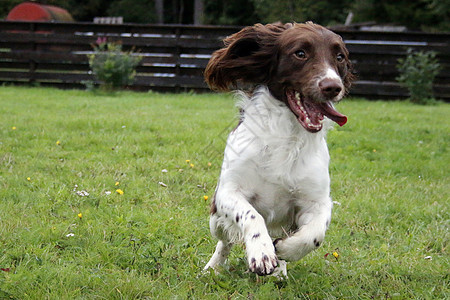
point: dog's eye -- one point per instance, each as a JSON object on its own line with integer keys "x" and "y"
{"x": 300, "y": 54}
{"x": 340, "y": 57}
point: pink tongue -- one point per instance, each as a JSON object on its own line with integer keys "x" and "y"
{"x": 328, "y": 110}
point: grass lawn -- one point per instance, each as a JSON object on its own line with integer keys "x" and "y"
{"x": 98, "y": 200}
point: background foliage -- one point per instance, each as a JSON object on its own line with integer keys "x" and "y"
{"x": 431, "y": 15}
{"x": 113, "y": 67}
{"x": 417, "y": 73}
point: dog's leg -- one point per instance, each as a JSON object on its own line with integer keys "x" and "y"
{"x": 220, "y": 255}
{"x": 312, "y": 224}
{"x": 261, "y": 256}
{"x": 241, "y": 220}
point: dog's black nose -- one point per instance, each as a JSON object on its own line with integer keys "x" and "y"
{"x": 330, "y": 88}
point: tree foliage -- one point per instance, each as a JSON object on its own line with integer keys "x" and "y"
{"x": 143, "y": 11}
{"x": 414, "y": 14}
{"x": 325, "y": 12}
{"x": 7, "y": 5}
{"x": 232, "y": 12}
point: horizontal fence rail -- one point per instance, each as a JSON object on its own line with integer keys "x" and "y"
{"x": 174, "y": 56}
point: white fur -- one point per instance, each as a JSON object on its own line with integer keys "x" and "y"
{"x": 274, "y": 182}
{"x": 331, "y": 73}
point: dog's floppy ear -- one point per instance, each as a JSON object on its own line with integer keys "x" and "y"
{"x": 249, "y": 56}
{"x": 349, "y": 75}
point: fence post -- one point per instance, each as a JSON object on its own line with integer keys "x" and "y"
{"x": 178, "y": 59}
{"x": 32, "y": 61}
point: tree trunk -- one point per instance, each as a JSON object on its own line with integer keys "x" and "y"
{"x": 198, "y": 12}
{"x": 159, "y": 9}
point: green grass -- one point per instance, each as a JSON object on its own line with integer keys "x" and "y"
{"x": 389, "y": 168}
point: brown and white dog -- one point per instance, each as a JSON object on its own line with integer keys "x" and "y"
{"x": 274, "y": 181}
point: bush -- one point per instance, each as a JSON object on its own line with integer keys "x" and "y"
{"x": 417, "y": 73}
{"x": 112, "y": 67}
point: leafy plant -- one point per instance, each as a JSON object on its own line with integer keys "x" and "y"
{"x": 417, "y": 73}
{"x": 111, "y": 66}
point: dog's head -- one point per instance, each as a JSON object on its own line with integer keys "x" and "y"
{"x": 305, "y": 66}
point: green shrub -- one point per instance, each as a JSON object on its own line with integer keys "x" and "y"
{"x": 111, "y": 66}
{"x": 417, "y": 73}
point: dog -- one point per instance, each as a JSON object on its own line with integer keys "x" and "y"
{"x": 274, "y": 181}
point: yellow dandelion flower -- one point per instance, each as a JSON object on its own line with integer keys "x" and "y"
{"x": 374, "y": 150}
{"x": 117, "y": 183}
{"x": 209, "y": 164}
{"x": 29, "y": 178}
{"x": 188, "y": 161}
{"x": 80, "y": 215}
{"x": 14, "y": 128}
{"x": 191, "y": 165}
{"x": 205, "y": 197}
{"x": 119, "y": 191}
{"x": 336, "y": 255}
{"x": 58, "y": 143}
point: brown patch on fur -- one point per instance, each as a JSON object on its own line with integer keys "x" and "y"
{"x": 245, "y": 55}
{"x": 213, "y": 208}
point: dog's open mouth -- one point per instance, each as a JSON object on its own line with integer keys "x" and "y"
{"x": 310, "y": 114}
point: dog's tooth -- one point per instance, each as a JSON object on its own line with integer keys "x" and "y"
{"x": 297, "y": 96}
{"x": 303, "y": 109}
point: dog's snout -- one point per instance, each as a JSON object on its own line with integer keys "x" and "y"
{"x": 330, "y": 88}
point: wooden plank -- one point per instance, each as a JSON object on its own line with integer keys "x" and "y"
{"x": 14, "y": 65}
{"x": 63, "y": 67}
{"x": 391, "y": 49}
{"x": 394, "y": 36}
{"x": 182, "y": 81}
{"x": 14, "y": 74}
{"x": 64, "y": 77}
{"x": 60, "y": 67}
{"x": 391, "y": 89}
{"x": 142, "y": 70}
{"x": 378, "y": 89}
{"x": 41, "y": 56}
{"x": 147, "y": 59}
{"x": 72, "y": 42}
{"x": 41, "y": 76}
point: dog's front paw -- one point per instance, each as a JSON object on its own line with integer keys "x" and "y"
{"x": 262, "y": 259}
{"x": 263, "y": 265}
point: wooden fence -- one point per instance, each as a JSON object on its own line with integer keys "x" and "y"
{"x": 174, "y": 56}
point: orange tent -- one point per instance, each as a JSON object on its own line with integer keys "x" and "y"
{"x": 29, "y": 11}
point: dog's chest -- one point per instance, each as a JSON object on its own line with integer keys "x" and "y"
{"x": 275, "y": 163}
{"x": 293, "y": 164}
{"x": 286, "y": 183}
